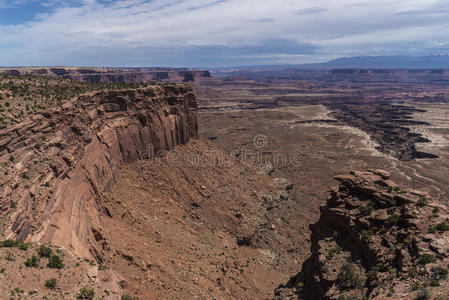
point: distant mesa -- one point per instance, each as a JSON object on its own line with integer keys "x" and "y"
{"x": 114, "y": 75}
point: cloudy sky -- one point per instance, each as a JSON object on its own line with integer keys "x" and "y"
{"x": 206, "y": 33}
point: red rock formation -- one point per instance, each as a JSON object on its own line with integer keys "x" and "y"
{"x": 57, "y": 164}
{"x": 375, "y": 241}
{"x": 114, "y": 75}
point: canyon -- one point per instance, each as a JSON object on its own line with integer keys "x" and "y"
{"x": 218, "y": 188}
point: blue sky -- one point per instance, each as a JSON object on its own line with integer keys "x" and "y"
{"x": 207, "y": 33}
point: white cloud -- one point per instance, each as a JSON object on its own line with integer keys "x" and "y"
{"x": 182, "y": 32}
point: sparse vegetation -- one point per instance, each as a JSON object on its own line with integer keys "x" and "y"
{"x": 367, "y": 232}
{"x": 438, "y": 273}
{"x": 26, "y": 95}
{"x": 416, "y": 285}
{"x": 371, "y": 275}
{"x": 14, "y": 243}
{"x": 422, "y": 294}
{"x": 44, "y": 251}
{"x": 393, "y": 219}
{"x": 335, "y": 235}
{"x": 332, "y": 251}
{"x": 33, "y": 261}
{"x": 443, "y": 226}
{"x": 86, "y": 293}
{"x": 422, "y": 201}
{"x": 347, "y": 278}
{"x": 427, "y": 258}
{"x": 51, "y": 283}
{"x": 367, "y": 209}
{"x": 299, "y": 287}
{"x": 412, "y": 272}
{"x": 55, "y": 262}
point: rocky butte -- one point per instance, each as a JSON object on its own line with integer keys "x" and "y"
{"x": 375, "y": 240}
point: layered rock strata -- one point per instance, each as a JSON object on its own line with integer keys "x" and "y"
{"x": 56, "y": 165}
{"x": 113, "y": 75}
{"x": 375, "y": 241}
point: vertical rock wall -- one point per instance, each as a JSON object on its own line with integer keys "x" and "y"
{"x": 58, "y": 164}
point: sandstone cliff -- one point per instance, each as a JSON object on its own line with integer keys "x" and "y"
{"x": 56, "y": 165}
{"x": 375, "y": 241}
{"x": 113, "y": 75}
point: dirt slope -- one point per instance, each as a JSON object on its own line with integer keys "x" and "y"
{"x": 189, "y": 226}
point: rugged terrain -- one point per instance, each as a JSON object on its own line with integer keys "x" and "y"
{"x": 375, "y": 241}
{"x": 58, "y": 163}
{"x": 24, "y": 96}
{"x": 113, "y": 75}
{"x": 199, "y": 224}
{"x": 141, "y": 191}
{"x": 400, "y": 126}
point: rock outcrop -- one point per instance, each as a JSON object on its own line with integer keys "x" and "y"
{"x": 114, "y": 75}
{"x": 56, "y": 165}
{"x": 375, "y": 241}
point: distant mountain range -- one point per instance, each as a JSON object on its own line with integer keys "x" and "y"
{"x": 363, "y": 62}
{"x": 385, "y": 62}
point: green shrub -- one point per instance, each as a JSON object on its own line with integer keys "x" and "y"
{"x": 332, "y": 251}
{"x": 426, "y": 258}
{"x": 394, "y": 219}
{"x": 434, "y": 282}
{"x": 44, "y": 251}
{"x": 33, "y": 261}
{"x": 367, "y": 232}
{"x": 8, "y": 244}
{"x": 393, "y": 272}
{"x": 367, "y": 209}
{"x": 412, "y": 272}
{"x": 371, "y": 275}
{"x": 51, "y": 283}
{"x": 438, "y": 273}
{"x": 299, "y": 287}
{"x": 86, "y": 293}
{"x": 335, "y": 235}
{"x": 443, "y": 226}
{"x": 416, "y": 285}
{"x": 422, "y": 294}
{"x": 422, "y": 201}
{"x": 55, "y": 262}
{"x": 23, "y": 246}
{"x": 347, "y": 278}
{"x": 14, "y": 243}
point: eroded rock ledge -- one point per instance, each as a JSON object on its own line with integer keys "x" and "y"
{"x": 56, "y": 165}
{"x": 375, "y": 241}
{"x": 113, "y": 75}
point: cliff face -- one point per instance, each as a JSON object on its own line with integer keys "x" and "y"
{"x": 114, "y": 75}
{"x": 57, "y": 164}
{"x": 376, "y": 241}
